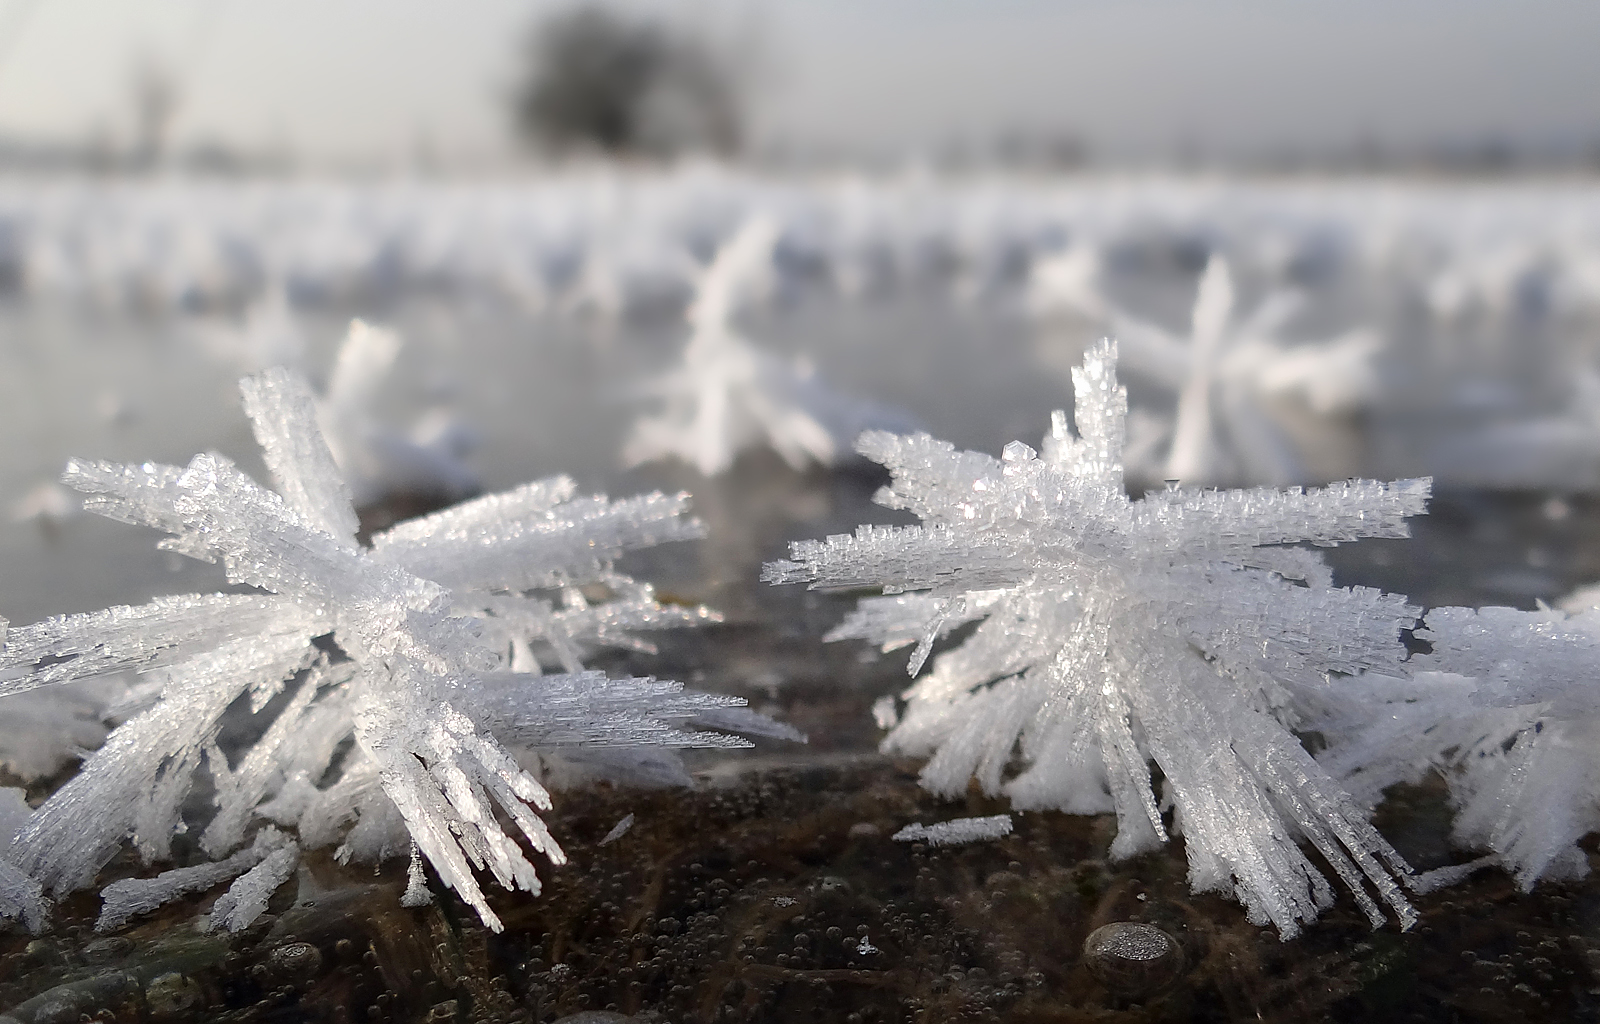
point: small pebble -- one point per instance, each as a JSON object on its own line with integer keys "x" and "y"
{"x": 172, "y": 995}
{"x": 295, "y": 960}
{"x": 1133, "y": 959}
{"x": 104, "y": 951}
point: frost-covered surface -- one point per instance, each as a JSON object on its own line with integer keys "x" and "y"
{"x": 423, "y": 650}
{"x": 1181, "y": 629}
{"x": 956, "y": 832}
{"x": 1479, "y": 303}
{"x": 728, "y": 395}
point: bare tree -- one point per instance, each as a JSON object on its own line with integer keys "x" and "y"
{"x": 156, "y": 97}
{"x": 627, "y": 85}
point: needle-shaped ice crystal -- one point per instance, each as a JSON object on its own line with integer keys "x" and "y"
{"x": 956, "y": 832}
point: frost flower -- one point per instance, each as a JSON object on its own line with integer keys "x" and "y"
{"x": 728, "y": 396}
{"x": 382, "y": 681}
{"x": 1179, "y": 629}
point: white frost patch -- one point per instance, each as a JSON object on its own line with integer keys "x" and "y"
{"x": 956, "y": 832}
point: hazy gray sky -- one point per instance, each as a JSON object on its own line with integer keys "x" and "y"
{"x": 364, "y": 79}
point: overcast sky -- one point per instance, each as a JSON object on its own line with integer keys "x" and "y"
{"x": 366, "y": 79}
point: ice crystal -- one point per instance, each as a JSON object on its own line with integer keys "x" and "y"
{"x": 1179, "y": 628}
{"x": 246, "y": 899}
{"x": 1230, "y": 376}
{"x": 1225, "y": 429}
{"x": 618, "y": 830}
{"x": 391, "y": 687}
{"x": 130, "y": 897}
{"x": 21, "y": 898}
{"x": 378, "y": 460}
{"x": 728, "y": 396}
{"x": 1506, "y": 709}
{"x": 956, "y": 832}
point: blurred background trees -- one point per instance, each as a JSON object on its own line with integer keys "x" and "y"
{"x": 602, "y": 79}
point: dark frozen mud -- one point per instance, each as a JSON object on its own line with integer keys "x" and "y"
{"x": 773, "y": 890}
{"x": 775, "y": 894}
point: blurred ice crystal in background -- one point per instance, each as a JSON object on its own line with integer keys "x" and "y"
{"x": 699, "y": 245}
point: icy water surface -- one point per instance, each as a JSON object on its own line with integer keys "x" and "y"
{"x": 544, "y": 394}
{"x": 771, "y": 892}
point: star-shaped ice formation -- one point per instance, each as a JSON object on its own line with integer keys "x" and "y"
{"x": 377, "y": 677}
{"x": 1181, "y": 629}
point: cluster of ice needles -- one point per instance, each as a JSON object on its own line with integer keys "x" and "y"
{"x": 394, "y": 688}
{"x": 1195, "y": 630}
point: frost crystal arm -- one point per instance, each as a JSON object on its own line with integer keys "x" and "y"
{"x": 1518, "y": 657}
{"x": 536, "y": 536}
{"x": 1242, "y": 519}
{"x": 587, "y": 709}
{"x": 136, "y": 783}
{"x": 900, "y": 558}
{"x": 140, "y": 638}
{"x": 283, "y": 413}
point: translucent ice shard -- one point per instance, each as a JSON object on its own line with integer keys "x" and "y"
{"x": 246, "y": 899}
{"x": 618, "y": 830}
{"x": 121, "y": 901}
{"x": 956, "y": 832}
